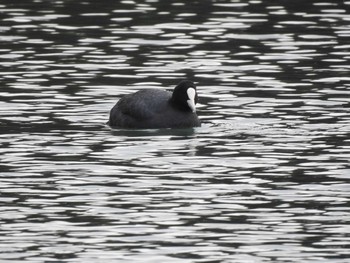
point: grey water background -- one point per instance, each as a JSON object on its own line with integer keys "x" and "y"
{"x": 265, "y": 179}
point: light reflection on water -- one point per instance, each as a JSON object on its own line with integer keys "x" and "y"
{"x": 265, "y": 178}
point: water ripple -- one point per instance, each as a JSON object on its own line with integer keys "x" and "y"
{"x": 264, "y": 179}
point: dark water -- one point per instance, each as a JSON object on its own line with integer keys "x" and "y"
{"x": 265, "y": 179}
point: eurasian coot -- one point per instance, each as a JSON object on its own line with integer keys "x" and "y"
{"x": 154, "y": 108}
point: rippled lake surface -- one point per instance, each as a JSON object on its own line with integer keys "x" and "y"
{"x": 265, "y": 179}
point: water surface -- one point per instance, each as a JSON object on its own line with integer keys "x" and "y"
{"x": 266, "y": 177}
